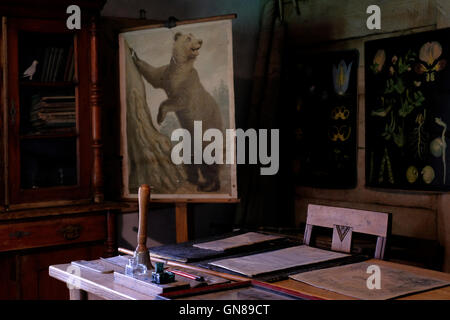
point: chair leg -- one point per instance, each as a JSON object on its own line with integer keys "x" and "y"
{"x": 379, "y": 249}
{"x": 307, "y": 235}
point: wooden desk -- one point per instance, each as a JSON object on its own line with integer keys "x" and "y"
{"x": 95, "y": 286}
{"x": 101, "y": 286}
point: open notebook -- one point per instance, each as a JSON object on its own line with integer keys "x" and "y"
{"x": 277, "y": 260}
{"x": 241, "y": 240}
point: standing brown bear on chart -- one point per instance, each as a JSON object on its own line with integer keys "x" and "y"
{"x": 188, "y": 99}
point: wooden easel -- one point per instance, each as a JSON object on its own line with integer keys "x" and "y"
{"x": 183, "y": 216}
{"x": 182, "y": 212}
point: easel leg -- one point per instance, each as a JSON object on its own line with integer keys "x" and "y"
{"x": 182, "y": 222}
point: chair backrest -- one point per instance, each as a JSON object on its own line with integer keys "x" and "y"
{"x": 344, "y": 222}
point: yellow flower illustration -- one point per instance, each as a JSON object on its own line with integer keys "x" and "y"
{"x": 429, "y": 63}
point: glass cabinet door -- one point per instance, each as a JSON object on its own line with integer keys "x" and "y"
{"x": 48, "y": 145}
{"x": 48, "y": 138}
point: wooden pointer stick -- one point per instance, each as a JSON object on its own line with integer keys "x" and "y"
{"x": 141, "y": 254}
{"x": 187, "y": 275}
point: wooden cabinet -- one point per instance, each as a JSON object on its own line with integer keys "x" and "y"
{"x": 52, "y": 208}
{"x": 33, "y": 239}
{"x": 26, "y": 273}
{"x": 51, "y": 137}
{"x": 52, "y": 231}
{"x": 49, "y": 121}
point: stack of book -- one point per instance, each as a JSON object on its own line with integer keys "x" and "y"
{"x": 58, "y": 65}
{"x": 53, "y": 114}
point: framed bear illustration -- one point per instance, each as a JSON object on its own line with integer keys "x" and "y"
{"x": 407, "y": 111}
{"x": 177, "y": 105}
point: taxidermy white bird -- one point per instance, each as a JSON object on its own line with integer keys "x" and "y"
{"x": 31, "y": 70}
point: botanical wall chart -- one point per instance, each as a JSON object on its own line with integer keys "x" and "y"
{"x": 325, "y": 125}
{"x": 170, "y": 79}
{"x": 408, "y": 111}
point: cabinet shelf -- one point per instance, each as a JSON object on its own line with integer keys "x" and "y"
{"x": 56, "y": 84}
{"x": 49, "y": 135}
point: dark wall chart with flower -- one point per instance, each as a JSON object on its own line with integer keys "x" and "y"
{"x": 408, "y": 111}
{"x": 325, "y": 86}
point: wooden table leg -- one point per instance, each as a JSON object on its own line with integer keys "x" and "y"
{"x": 77, "y": 294}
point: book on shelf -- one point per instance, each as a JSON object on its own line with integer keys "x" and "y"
{"x": 58, "y": 64}
{"x": 43, "y": 115}
{"x": 69, "y": 61}
{"x": 45, "y": 63}
{"x": 71, "y": 74}
{"x": 52, "y": 112}
{"x": 52, "y": 108}
{"x": 48, "y": 69}
{"x": 59, "y": 98}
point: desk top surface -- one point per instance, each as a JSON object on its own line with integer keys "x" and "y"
{"x": 100, "y": 284}
{"x": 103, "y": 286}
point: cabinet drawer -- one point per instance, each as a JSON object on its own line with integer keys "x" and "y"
{"x": 25, "y": 235}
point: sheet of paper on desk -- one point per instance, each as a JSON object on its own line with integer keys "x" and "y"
{"x": 351, "y": 280}
{"x": 245, "y": 239}
{"x": 277, "y": 260}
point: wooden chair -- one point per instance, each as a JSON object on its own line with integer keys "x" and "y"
{"x": 344, "y": 222}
